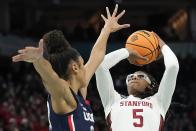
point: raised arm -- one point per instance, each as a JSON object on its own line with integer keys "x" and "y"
{"x": 104, "y": 80}
{"x": 99, "y": 49}
{"x": 56, "y": 86}
{"x": 168, "y": 81}
{"x": 103, "y": 77}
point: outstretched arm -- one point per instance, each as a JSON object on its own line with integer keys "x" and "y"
{"x": 57, "y": 87}
{"x": 103, "y": 77}
{"x": 168, "y": 81}
{"x": 99, "y": 49}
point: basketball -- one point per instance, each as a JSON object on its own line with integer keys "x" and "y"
{"x": 146, "y": 44}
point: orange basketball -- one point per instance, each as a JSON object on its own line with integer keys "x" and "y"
{"x": 146, "y": 44}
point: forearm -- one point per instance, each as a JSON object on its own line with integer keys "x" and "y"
{"x": 106, "y": 89}
{"x": 170, "y": 59}
{"x": 97, "y": 54}
{"x": 168, "y": 81}
{"x": 104, "y": 80}
{"x": 44, "y": 68}
{"x": 99, "y": 49}
{"x": 56, "y": 87}
{"x": 114, "y": 57}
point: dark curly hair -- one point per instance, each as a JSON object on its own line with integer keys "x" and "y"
{"x": 55, "y": 42}
{"x": 60, "y": 62}
{"x": 149, "y": 91}
{"x": 59, "y": 52}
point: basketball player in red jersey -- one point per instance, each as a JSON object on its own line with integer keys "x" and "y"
{"x": 65, "y": 76}
{"x": 146, "y": 106}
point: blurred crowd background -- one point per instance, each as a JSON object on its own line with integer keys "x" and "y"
{"x": 23, "y": 22}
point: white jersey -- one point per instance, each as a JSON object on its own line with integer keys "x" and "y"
{"x": 133, "y": 113}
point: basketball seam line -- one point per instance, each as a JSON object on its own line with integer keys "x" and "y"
{"x": 148, "y": 40}
{"x": 158, "y": 47}
{"x": 142, "y": 47}
{"x": 156, "y": 43}
{"x": 152, "y": 51}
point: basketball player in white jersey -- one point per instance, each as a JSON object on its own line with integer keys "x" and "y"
{"x": 146, "y": 106}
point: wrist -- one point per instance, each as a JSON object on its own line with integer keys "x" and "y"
{"x": 106, "y": 30}
{"x": 162, "y": 46}
{"x": 38, "y": 59}
{"x": 126, "y": 52}
{"x": 130, "y": 51}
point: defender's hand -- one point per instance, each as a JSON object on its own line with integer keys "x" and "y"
{"x": 111, "y": 22}
{"x": 29, "y": 54}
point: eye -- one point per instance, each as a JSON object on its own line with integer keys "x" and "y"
{"x": 141, "y": 76}
{"x": 131, "y": 76}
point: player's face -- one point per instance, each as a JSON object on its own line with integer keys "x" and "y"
{"x": 137, "y": 83}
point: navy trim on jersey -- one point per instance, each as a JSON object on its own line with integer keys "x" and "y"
{"x": 81, "y": 119}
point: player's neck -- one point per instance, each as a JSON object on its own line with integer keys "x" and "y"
{"x": 74, "y": 85}
{"x": 134, "y": 93}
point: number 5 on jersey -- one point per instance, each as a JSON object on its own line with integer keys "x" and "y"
{"x": 137, "y": 116}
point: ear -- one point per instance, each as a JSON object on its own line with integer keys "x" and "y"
{"x": 75, "y": 67}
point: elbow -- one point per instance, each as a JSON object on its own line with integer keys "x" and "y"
{"x": 98, "y": 55}
{"x": 102, "y": 67}
{"x": 100, "y": 59}
{"x": 174, "y": 66}
{"x": 177, "y": 66}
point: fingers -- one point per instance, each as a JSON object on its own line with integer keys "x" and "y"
{"x": 143, "y": 58}
{"x": 108, "y": 12}
{"x": 138, "y": 56}
{"x": 160, "y": 56}
{"x": 124, "y": 26}
{"x": 115, "y": 11}
{"x": 18, "y": 58}
{"x": 138, "y": 65}
{"x": 161, "y": 42}
{"x": 22, "y": 57}
{"x": 133, "y": 62}
{"x": 103, "y": 17}
{"x": 120, "y": 15}
{"x": 22, "y": 51}
{"x": 156, "y": 34}
{"x": 41, "y": 45}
